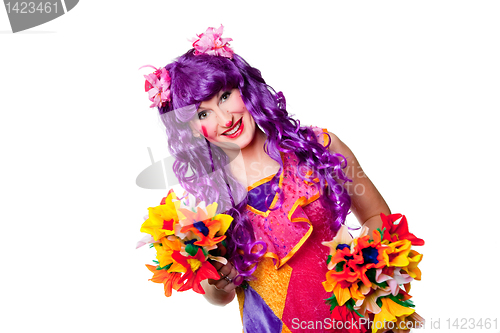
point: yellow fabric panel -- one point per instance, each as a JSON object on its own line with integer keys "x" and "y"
{"x": 285, "y": 329}
{"x": 272, "y": 284}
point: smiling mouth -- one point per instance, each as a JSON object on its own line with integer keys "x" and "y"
{"x": 233, "y": 129}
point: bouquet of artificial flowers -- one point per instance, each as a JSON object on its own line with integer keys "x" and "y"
{"x": 185, "y": 236}
{"x": 367, "y": 277}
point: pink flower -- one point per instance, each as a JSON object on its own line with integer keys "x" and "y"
{"x": 157, "y": 85}
{"x": 211, "y": 43}
{"x": 393, "y": 281}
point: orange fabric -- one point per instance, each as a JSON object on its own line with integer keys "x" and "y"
{"x": 285, "y": 329}
{"x": 272, "y": 284}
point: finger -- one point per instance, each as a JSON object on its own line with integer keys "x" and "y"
{"x": 227, "y": 280}
{"x": 230, "y": 284}
{"x": 232, "y": 274}
{"x": 212, "y": 281}
{"x": 220, "y": 284}
{"x": 225, "y": 270}
{"x": 216, "y": 264}
{"x": 229, "y": 287}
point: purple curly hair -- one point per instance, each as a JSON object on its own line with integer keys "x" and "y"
{"x": 197, "y": 78}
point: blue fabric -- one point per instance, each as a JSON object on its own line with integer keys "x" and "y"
{"x": 258, "y": 316}
{"x": 257, "y": 196}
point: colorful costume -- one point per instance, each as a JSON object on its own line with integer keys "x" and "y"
{"x": 287, "y": 291}
{"x": 287, "y": 294}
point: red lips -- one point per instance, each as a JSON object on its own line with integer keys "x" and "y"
{"x": 238, "y": 132}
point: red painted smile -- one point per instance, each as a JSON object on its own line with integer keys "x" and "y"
{"x": 234, "y": 131}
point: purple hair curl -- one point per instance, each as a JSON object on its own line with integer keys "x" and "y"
{"x": 197, "y": 78}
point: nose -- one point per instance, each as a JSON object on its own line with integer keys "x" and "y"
{"x": 224, "y": 118}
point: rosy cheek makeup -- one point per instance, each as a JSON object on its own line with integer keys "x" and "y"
{"x": 205, "y": 134}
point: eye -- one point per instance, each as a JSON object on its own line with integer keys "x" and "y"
{"x": 202, "y": 115}
{"x": 225, "y": 96}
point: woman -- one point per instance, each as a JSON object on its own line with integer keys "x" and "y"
{"x": 285, "y": 185}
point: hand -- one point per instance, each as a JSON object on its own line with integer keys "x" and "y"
{"x": 227, "y": 273}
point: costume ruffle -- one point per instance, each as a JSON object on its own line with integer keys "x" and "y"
{"x": 284, "y": 229}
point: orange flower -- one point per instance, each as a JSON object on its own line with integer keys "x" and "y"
{"x": 342, "y": 294}
{"x": 170, "y": 280}
{"x": 203, "y": 222}
{"x": 351, "y": 267}
{"x": 206, "y": 231}
{"x": 346, "y": 266}
{"x": 373, "y": 254}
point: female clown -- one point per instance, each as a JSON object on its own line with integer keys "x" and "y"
{"x": 288, "y": 187}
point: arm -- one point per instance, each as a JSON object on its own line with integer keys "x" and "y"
{"x": 366, "y": 201}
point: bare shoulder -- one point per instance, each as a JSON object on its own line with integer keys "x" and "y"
{"x": 332, "y": 141}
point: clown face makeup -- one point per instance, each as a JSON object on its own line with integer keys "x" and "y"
{"x": 225, "y": 121}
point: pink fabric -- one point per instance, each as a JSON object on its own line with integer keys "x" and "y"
{"x": 305, "y": 295}
{"x": 280, "y": 234}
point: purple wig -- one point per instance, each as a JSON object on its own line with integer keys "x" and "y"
{"x": 197, "y": 78}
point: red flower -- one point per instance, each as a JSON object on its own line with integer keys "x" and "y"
{"x": 345, "y": 320}
{"x": 197, "y": 270}
{"x": 394, "y": 232}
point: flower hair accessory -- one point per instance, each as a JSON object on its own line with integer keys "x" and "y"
{"x": 211, "y": 43}
{"x": 158, "y": 86}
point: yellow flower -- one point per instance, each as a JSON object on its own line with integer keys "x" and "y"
{"x": 414, "y": 258}
{"x": 194, "y": 263}
{"x": 343, "y": 294}
{"x": 165, "y": 248}
{"x": 390, "y": 311}
{"x": 162, "y": 218}
{"x": 397, "y": 253}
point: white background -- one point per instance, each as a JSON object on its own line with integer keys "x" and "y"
{"x": 411, "y": 87}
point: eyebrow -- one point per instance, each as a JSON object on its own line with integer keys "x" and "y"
{"x": 200, "y": 108}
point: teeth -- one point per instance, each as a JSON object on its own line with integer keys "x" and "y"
{"x": 234, "y": 130}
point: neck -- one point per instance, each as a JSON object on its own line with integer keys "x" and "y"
{"x": 252, "y": 163}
